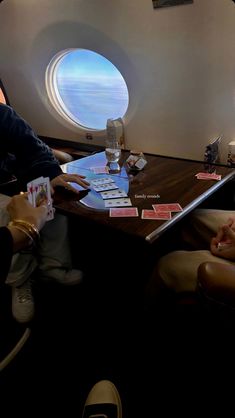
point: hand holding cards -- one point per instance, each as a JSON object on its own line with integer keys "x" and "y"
{"x": 39, "y": 192}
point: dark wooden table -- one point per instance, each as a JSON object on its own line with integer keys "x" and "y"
{"x": 171, "y": 178}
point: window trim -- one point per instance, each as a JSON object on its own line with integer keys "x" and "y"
{"x": 55, "y": 97}
{"x": 53, "y": 92}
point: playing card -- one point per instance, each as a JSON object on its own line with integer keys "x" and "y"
{"x": 102, "y": 180}
{"x": 208, "y": 176}
{"x": 30, "y": 190}
{"x": 204, "y": 174}
{"x": 104, "y": 187}
{"x": 112, "y": 203}
{"x": 168, "y": 207}
{"x": 40, "y": 192}
{"x": 113, "y": 193}
{"x": 122, "y": 212}
{"x": 100, "y": 170}
{"x": 152, "y": 214}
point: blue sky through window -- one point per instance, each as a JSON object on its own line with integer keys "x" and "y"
{"x": 91, "y": 88}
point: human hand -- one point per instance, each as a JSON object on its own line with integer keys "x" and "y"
{"x": 20, "y": 208}
{"x": 63, "y": 179}
{"x": 231, "y": 223}
{"x": 223, "y": 245}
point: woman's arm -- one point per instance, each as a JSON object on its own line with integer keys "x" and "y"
{"x": 22, "y": 231}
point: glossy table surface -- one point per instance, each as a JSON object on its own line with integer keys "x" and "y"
{"x": 84, "y": 166}
{"x": 163, "y": 180}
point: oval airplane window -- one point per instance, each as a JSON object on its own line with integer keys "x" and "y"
{"x": 86, "y": 88}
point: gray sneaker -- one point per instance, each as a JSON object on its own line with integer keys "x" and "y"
{"x": 23, "y": 302}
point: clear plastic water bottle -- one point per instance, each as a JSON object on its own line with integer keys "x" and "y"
{"x": 113, "y": 154}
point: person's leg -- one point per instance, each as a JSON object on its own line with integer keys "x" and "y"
{"x": 202, "y": 225}
{"x": 54, "y": 255}
{"x": 22, "y": 267}
{"x": 176, "y": 273}
{"x": 23, "y": 263}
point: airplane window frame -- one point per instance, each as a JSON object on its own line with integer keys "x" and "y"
{"x": 54, "y": 93}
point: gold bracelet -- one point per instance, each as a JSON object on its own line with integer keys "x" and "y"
{"x": 27, "y": 226}
{"x": 21, "y": 229}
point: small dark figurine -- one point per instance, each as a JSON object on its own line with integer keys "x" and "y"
{"x": 211, "y": 155}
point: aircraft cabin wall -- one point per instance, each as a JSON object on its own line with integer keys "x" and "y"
{"x": 178, "y": 63}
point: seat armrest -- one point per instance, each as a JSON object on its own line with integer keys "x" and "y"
{"x": 61, "y": 156}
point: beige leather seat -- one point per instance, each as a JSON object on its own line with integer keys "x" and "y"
{"x": 216, "y": 283}
{"x": 61, "y": 156}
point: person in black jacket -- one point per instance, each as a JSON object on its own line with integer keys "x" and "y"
{"x": 25, "y": 156}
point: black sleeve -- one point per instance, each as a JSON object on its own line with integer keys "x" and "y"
{"x": 33, "y": 157}
{"x": 6, "y": 252}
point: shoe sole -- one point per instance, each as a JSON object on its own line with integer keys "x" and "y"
{"x": 10, "y": 356}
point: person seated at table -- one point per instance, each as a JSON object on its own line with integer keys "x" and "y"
{"x": 210, "y": 236}
{"x": 103, "y": 399}
{"x": 24, "y": 155}
{"x": 14, "y": 238}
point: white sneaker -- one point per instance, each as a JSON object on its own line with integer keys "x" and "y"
{"x": 66, "y": 278}
{"x": 23, "y": 302}
{"x": 103, "y": 401}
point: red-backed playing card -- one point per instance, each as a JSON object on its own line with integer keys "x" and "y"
{"x": 152, "y": 214}
{"x": 172, "y": 207}
{"x": 208, "y": 176}
{"x": 118, "y": 212}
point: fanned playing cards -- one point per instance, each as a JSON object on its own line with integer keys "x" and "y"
{"x": 39, "y": 191}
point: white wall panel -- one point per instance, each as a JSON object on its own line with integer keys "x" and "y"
{"x": 179, "y": 64}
